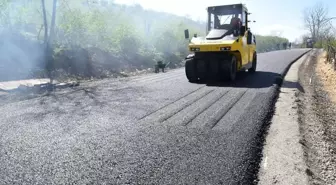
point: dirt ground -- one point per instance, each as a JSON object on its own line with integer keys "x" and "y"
{"x": 317, "y": 115}
{"x": 327, "y": 76}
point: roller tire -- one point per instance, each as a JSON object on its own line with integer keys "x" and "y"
{"x": 230, "y": 69}
{"x": 190, "y": 70}
{"x": 202, "y": 70}
{"x": 213, "y": 72}
{"x": 254, "y": 64}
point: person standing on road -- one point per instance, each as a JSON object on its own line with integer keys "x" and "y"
{"x": 284, "y": 45}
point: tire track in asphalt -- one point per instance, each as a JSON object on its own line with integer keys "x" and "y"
{"x": 172, "y": 108}
{"x": 185, "y": 116}
{"x": 209, "y": 118}
{"x": 234, "y": 114}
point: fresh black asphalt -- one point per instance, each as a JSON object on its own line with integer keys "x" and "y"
{"x": 152, "y": 129}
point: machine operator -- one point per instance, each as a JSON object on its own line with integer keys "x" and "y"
{"x": 235, "y": 21}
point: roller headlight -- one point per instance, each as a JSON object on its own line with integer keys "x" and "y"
{"x": 227, "y": 48}
{"x": 194, "y": 49}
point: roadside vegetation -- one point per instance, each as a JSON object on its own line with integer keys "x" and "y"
{"x": 92, "y": 38}
{"x": 321, "y": 30}
{"x": 319, "y": 25}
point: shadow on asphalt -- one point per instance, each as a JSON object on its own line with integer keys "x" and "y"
{"x": 293, "y": 85}
{"x": 259, "y": 79}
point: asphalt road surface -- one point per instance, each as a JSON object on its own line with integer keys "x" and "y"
{"x": 153, "y": 129}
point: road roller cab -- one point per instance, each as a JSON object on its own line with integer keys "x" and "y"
{"x": 229, "y": 46}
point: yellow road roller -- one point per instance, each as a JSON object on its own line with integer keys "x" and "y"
{"x": 228, "y": 47}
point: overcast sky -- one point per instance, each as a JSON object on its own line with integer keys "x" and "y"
{"x": 271, "y": 16}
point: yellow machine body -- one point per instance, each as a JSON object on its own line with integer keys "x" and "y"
{"x": 228, "y": 47}
{"x": 239, "y": 48}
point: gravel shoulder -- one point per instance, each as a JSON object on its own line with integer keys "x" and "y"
{"x": 317, "y": 115}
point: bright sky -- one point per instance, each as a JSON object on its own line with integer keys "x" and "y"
{"x": 271, "y": 16}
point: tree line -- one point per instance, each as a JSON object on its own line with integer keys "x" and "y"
{"x": 319, "y": 25}
{"x": 92, "y": 38}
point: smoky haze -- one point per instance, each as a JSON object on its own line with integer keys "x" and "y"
{"x": 92, "y": 38}
{"x": 20, "y": 55}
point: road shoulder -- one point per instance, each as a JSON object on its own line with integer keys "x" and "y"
{"x": 283, "y": 156}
